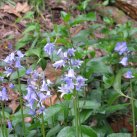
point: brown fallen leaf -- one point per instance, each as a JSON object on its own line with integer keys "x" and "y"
{"x": 50, "y": 101}
{"x": 13, "y": 105}
{"x": 19, "y": 8}
{"x": 10, "y": 9}
{"x": 22, "y": 7}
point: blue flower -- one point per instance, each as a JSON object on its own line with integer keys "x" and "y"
{"x": 17, "y": 64}
{"x": 1, "y": 79}
{"x": 9, "y": 59}
{"x": 76, "y": 63}
{"x": 28, "y": 71}
{"x": 11, "y": 85}
{"x": 40, "y": 110}
{"x": 3, "y": 94}
{"x": 124, "y": 61}
{"x": 8, "y": 71}
{"x": 19, "y": 53}
{"x": 71, "y": 73}
{"x": 59, "y": 64}
{"x": 32, "y": 112}
{"x": 64, "y": 89}
{"x": 128, "y": 75}
{"x": 49, "y": 48}
{"x": 71, "y": 52}
{"x": 121, "y": 47}
{"x": 80, "y": 82}
{"x": 44, "y": 86}
{"x": 69, "y": 83}
{"x": 9, "y": 124}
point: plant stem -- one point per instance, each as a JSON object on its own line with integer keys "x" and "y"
{"x": 75, "y": 100}
{"x": 42, "y": 126}
{"x": 133, "y": 110}
{"x": 52, "y": 116}
{"x": 21, "y": 104}
{"x": 4, "y": 122}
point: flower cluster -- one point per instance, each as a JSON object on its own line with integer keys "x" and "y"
{"x": 122, "y": 49}
{"x": 13, "y": 62}
{"x": 71, "y": 81}
{"x": 37, "y": 91}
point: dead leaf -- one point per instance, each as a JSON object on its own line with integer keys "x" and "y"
{"x": 50, "y": 101}
{"x": 51, "y": 73}
{"x": 13, "y": 105}
{"x": 19, "y": 8}
{"x": 10, "y": 9}
{"x": 22, "y": 7}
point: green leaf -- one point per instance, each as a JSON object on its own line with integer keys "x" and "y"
{"x": 32, "y": 52}
{"x": 51, "y": 111}
{"x": 114, "y": 108}
{"x": 14, "y": 75}
{"x": 30, "y": 28}
{"x": 53, "y": 131}
{"x": 97, "y": 66}
{"x": 119, "y": 135}
{"x": 117, "y": 82}
{"x": 88, "y": 131}
{"x": 82, "y": 18}
{"x": 67, "y": 132}
{"x": 84, "y": 115}
{"x": 32, "y": 133}
{"x": 24, "y": 41}
{"x": 85, "y": 3}
{"x": 19, "y": 129}
{"x": 89, "y": 104}
{"x": 65, "y": 16}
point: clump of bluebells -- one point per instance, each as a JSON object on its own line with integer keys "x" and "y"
{"x": 38, "y": 89}
{"x": 70, "y": 80}
{"x": 13, "y": 62}
{"x": 122, "y": 49}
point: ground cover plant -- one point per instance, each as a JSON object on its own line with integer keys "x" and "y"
{"x": 77, "y": 78}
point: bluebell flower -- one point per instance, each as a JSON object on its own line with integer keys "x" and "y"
{"x": 1, "y": 79}
{"x": 31, "y": 103}
{"x": 49, "y": 48}
{"x": 32, "y": 112}
{"x": 71, "y": 73}
{"x": 28, "y": 71}
{"x": 19, "y": 53}
{"x": 69, "y": 82}
{"x": 128, "y": 75}
{"x": 11, "y": 85}
{"x": 9, "y": 45}
{"x": 64, "y": 56}
{"x": 59, "y": 51}
{"x": 124, "y": 61}
{"x": 44, "y": 86}
{"x": 80, "y": 82}
{"x": 71, "y": 52}
{"x": 40, "y": 110}
{"x": 76, "y": 63}
{"x": 3, "y": 94}
{"x": 8, "y": 71}
{"x": 10, "y": 58}
{"x": 9, "y": 124}
{"x": 121, "y": 47}
{"x": 59, "y": 64}
{"x": 18, "y": 64}
{"x": 64, "y": 89}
